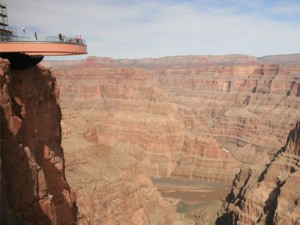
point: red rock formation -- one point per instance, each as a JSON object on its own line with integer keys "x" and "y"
{"x": 110, "y": 188}
{"x": 34, "y": 189}
{"x": 270, "y": 195}
{"x": 194, "y": 117}
{"x": 135, "y": 109}
{"x": 212, "y": 105}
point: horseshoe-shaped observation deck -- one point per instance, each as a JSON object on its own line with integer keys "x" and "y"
{"x": 24, "y": 50}
{"x": 43, "y": 45}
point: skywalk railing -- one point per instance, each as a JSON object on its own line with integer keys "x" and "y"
{"x": 42, "y": 38}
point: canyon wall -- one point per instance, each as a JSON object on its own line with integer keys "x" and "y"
{"x": 268, "y": 195}
{"x": 107, "y": 187}
{"x": 191, "y": 117}
{"x": 126, "y": 105}
{"x": 34, "y": 189}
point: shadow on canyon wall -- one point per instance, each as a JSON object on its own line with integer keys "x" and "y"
{"x": 33, "y": 186}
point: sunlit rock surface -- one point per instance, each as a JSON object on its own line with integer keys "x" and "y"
{"x": 185, "y": 117}
{"x": 195, "y": 117}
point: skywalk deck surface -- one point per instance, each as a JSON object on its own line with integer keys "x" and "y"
{"x": 43, "y": 48}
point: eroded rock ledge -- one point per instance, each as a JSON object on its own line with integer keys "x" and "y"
{"x": 34, "y": 189}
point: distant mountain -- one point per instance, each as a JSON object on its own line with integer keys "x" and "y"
{"x": 181, "y": 61}
{"x": 281, "y": 59}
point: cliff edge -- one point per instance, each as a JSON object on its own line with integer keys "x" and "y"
{"x": 267, "y": 196}
{"x": 34, "y": 189}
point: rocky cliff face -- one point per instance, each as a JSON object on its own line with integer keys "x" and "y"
{"x": 195, "y": 117}
{"x": 110, "y": 189}
{"x": 34, "y": 189}
{"x": 126, "y": 105}
{"x": 268, "y": 195}
{"x": 191, "y": 117}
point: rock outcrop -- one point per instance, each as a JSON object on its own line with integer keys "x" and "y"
{"x": 34, "y": 189}
{"x": 267, "y": 195}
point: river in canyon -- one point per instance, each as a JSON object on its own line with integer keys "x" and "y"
{"x": 192, "y": 197}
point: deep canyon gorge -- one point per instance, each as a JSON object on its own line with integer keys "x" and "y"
{"x": 107, "y": 141}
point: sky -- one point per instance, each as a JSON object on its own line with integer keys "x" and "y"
{"x": 156, "y": 28}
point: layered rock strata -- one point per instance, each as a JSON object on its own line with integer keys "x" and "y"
{"x": 110, "y": 188}
{"x": 241, "y": 105}
{"x": 126, "y": 105}
{"x": 195, "y": 117}
{"x": 268, "y": 195}
{"x": 34, "y": 189}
